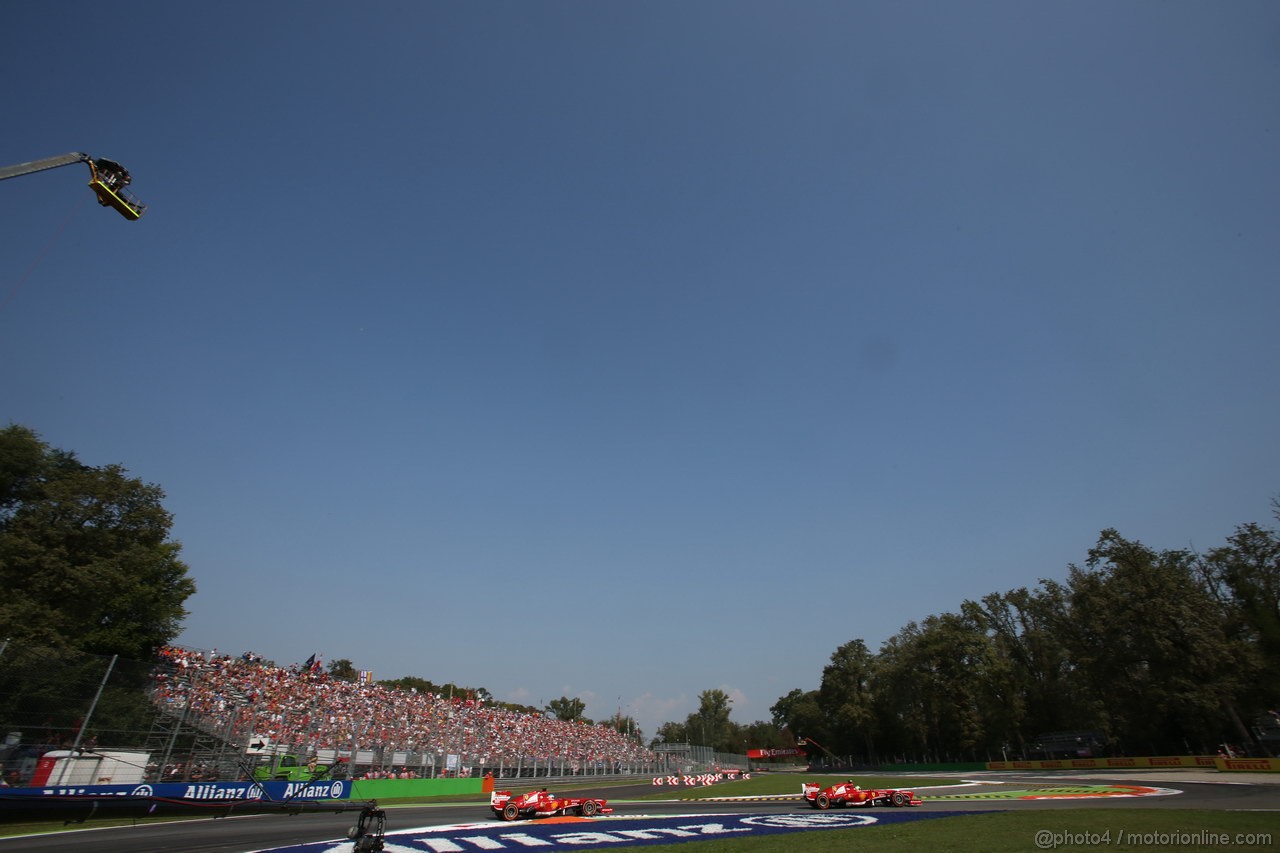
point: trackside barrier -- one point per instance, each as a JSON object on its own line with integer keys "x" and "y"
{"x": 381, "y": 789}
{"x": 1255, "y": 765}
{"x": 1157, "y": 762}
{"x": 701, "y": 779}
{"x": 197, "y": 791}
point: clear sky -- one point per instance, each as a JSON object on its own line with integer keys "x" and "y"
{"x": 627, "y": 350}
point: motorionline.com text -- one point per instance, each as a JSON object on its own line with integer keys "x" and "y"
{"x": 1047, "y": 839}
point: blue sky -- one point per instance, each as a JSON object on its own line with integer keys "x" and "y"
{"x": 629, "y": 350}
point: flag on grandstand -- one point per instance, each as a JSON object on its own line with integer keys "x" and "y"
{"x": 312, "y": 664}
{"x": 366, "y": 677}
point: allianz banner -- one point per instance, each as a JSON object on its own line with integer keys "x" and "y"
{"x": 200, "y": 791}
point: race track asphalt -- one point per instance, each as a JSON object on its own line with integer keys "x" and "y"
{"x": 1198, "y": 790}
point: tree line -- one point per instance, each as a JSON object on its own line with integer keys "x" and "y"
{"x": 1138, "y": 651}
{"x": 710, "y": 725}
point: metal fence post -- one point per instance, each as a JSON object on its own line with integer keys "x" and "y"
{"x": 75, "y": 747}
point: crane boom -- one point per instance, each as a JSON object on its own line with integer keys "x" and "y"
{"x": 107, "y": 179}
{"x": 41, "y": 165}
{"x": 810, "y": 740}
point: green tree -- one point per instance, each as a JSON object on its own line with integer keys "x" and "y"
{"x": 710, "y": 725}
{"x": 1149, "y": 643}
{"x": 846, "y": 700}
{"x": 342, "y": 670}
{"x": 1243, "y": 577}
{"x": 1031, "y": 673}
{"x": 671, "y": 732}
{"x": 932, "y": 693}
{"x": 564, "y": 708}
{"x": 413, "y": 683}
{"x": 410, "y": 683}
{"x": 903, "y": 712}
{"x": 92, "y": 586}
{"x": 800, "y": 714}
{"x": 87, "y": 551}
{"x": 1247, "y": 568}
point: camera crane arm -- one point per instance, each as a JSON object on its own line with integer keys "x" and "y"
{"x": 106, "y": 178}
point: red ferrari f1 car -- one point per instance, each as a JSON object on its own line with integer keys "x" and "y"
{"x": 541, "y": 804}
{"x": 849, "y": 794}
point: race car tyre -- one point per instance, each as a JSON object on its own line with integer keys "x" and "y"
{"x": 899, "y": 799}
{"x": 822, "y": 801}
{"x": 588, "y": 808}
{"x": 510, "y": 811}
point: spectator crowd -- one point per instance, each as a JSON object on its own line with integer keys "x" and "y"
{"x": 245, "y": 696}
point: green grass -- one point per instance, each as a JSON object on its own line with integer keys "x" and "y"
{"x": 1016, "y": 832}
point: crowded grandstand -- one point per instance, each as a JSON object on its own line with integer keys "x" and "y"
{"x": 376, "y": 729}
